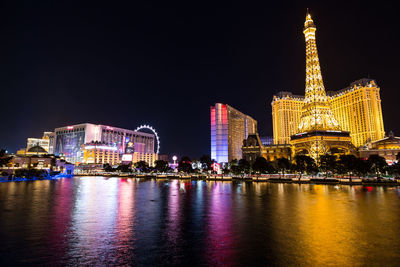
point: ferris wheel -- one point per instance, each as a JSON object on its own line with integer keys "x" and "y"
{"x": 148, "y": 127}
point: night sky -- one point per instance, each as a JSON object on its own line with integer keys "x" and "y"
{"x": 164, "y": 64}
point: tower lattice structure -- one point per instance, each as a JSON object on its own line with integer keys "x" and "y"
{"x": 318, "y": 132}
{"x": 316, "y": 114}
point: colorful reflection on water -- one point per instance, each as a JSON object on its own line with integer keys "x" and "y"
{"x": 113, "y": 221}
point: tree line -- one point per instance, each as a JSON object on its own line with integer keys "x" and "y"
{"x": 327, "y": 164}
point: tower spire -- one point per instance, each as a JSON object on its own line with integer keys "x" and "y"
{"x": 316, "y": 112}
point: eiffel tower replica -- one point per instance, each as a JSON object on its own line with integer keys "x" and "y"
{"x": 318, "y": 131}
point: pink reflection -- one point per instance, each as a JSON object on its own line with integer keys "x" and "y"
{"x": 125, "y": 216}
{"x": 220, "y": 245}
{"x": 174, "y": 211}
{"x": 95, "y": 211}
{"x": 63, "y": 205}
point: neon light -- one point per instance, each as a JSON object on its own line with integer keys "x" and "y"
{"x": 70, "y": 127}
{"x": 127, "y": 157}
{"x": 101, "y": 147}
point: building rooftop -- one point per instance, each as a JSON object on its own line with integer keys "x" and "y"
{"x": 37, "y": 149}
{"x": 364, "y": 82}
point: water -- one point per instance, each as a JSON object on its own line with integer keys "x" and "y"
{"x": 98, "y": 221}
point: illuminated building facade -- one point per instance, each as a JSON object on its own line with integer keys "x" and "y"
{"x": 43, "y": 142}
{"x": 253, "y": 148}
{"x": 358, "y": 110}
{"x": 387, "y": 147}
{"x": 355, "y": 109}
{"x": 43, "y": 162}
{"x": 286, "y": 113}
{"x": 69, "y": 139}
{"x": 98, "y": 153}
{"x": 229, "y": 127}
{"x": 149, "y": 158}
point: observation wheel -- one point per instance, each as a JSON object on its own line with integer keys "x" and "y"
{"x": 148, "y": 127}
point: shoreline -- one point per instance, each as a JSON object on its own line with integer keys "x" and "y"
{"x": 324, "y": 181}
{"x": 327, "y": 181}
{"x": 21, "y": 179}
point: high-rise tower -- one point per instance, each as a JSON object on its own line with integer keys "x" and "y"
{"x": 318, "y": 130}
{"x": 229, "y": 127}
{"x": 316, "y": 112}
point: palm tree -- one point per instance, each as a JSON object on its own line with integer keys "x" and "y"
{"x": 283, "y": 164}
{"x": 206, "y": 162}
{"x": 378, "y": 164}
{"x": 260, "y": 165}
{"x": 185, "y": 165}
{"x": 304, "y": 164}
{"x": 244, "y": 166}
{"x": 361, "y": 167}
{"x": 327, "y": 163}
{"x": 161, "y": 166}
{"x": 348, "y": 164}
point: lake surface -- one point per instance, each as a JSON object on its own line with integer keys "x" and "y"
{"x": 112, "y": 221}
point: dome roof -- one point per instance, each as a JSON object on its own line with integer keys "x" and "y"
{"x": 37, "y": 149}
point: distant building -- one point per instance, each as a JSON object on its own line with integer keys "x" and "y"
{"x": 387, "y": 147}
{"x": 69, "y": 139}
{"x": 267, "y": 140}
{"x": 163, "y": 157}
{"x": 43, "y": 142}
{"x": 31, "y": 142}
{"x": 254, "y": 148}
{"x": 42, "y": 162}
{"x": 286, "y": 113}
{"x": 36, "y": 150}
{"x": 149, "y": 158}
{"x": 229, "y": 127}
{"x": 357, "y": 109}
{"x": 99, "y": 153}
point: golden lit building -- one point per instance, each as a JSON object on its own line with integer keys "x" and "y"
{"x": 229, "y": 127}
{"x": 387, "y": 147}
{"x": 149, "y": 158}
{"x": 254, "y": 148}
{"x": 286, "y": 113}
{"x": 358, "y": 110}
{"x": 98, "y": 153}
{"x": 321, "y": 122}
{"x": 43, "y": 142}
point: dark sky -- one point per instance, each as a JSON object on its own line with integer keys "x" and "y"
{"x": 164, "y": 63}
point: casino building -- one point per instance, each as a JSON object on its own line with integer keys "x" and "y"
{"x": 229, "y": 127}
{"x": 357, "y": 109}
{"x": 319, "y": 122}
{"x": 335, "y": 122}
{"x": 69, "y": 140}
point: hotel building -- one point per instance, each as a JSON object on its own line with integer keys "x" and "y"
{"x": 43, "y": 142}
{"x": 229, "y": 128}
{"x": 97, "y": 153}
{"x": 286, "y": 113}
{"x": 69, "y": 139}
{"x": 149, "y": 158}
{"x": 357, "y": 109}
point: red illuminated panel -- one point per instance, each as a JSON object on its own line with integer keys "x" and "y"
{"x": 212, "y": 116}
{"x": 224, "y": 114}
